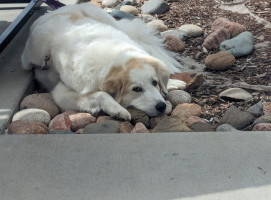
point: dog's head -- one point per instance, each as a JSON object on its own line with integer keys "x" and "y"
{"x": 140, "y": 83}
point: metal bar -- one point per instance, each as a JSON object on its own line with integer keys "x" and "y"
{"x": 18, "y": 23}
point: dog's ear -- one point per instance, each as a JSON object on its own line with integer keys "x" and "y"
{"x": 163, "y": 77}
{"x": 113, "y": 83}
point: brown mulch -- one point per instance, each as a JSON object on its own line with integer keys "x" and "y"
{"x": 253, "y": 69}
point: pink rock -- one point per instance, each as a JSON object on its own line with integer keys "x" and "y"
{"x": 140, "y": 128}
{"x": 80, "y": 120}
{"x": 174, "y": 44}
{"x": 155, "y": 120}
{"x": 267, "y": 108}
{"x": 103, "y": 118}
{"x": 213, "y": 40}
{"x": 70, "y": 112}
{"x": 262, "y": 127}
{"x": 126, "y": 127}
{"x": 60, "y": 122}
{"x": 27, "y": 127}
{"x": 187, "y": 110}
{"x": 194, "y": 119}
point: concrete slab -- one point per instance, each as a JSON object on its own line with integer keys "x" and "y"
{"x": 194, "y": 166}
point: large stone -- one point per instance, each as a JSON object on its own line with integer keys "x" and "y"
{"x": 80, "y": 120}
{"x": 262, "y": 127}
{"x": 176, "y": 33}
{"x": 219, "y": 61}
{"x": 213, "y": 40}
{"x": 140, "y": 128}
{"x": 237, "y": 118}
{"x": 178, "y": 97}
{"x": 60, "y": 122}
{"x": 154, "y": 7}
{"x": 192, "y": 30}
{"x": 42, "y": 101}
{"x": 201, "y": 127}
{"x": 241, "y": 45}
{"x": 129, "y": 9}
{"x": 236, "y": 94}
{"x": 187, "y": 110}
{"x": 126, "y": 127}
{"x": 138, "y": 116}
{"x": 171, "y": 124}
{"x": 109, "y": 126}
{"x": 174, "y": 44}
{"x": 256, "y": 110}
{"x": 158, "y": 25}
{"x": 26, "y": 127}
{"x": 192, "y": 80}
{"x": 118, "y": 14}
{"x": 32, "y": 115}
{"x": 226, "y": 128}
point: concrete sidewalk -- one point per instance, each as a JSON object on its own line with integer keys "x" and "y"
{"x": 196, "y": 166}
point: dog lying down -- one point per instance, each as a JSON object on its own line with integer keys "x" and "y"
{"x": 97, "y": 63}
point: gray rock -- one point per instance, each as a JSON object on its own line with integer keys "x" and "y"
{"x": 237, "y": 118}
{"x": 32, "y": 115}
{"x": 139, "y": 116}
{"x": 256, "y": 110}
{"x": 240, "y": 45}
{"x": 192, "y": 30}
{"x": 263, "y": 119}
{"x": 178, "y": 97}
{"x": 236, "y": 94}
{"x": 155, "y": 7}
{"x": 176, "y": 33}
{"x": 201, "y": 127}
{"x": 225, "y": 127}
{"x": 109, "y": 126}
{"x": 117, "y": 14}
{"x": 61, "y": 132}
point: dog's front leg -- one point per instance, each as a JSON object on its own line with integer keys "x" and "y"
{"x": 94, "y": 102}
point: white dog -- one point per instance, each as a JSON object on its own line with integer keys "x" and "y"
{"x": 97, "y": 63}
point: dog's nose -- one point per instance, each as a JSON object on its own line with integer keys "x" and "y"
{"x": 161, "y": 106}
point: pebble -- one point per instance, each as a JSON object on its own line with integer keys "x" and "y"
{"x": 123, "y": 4}
{"x": 194, "y": 119}
{"x": 168, "y": 108}
{"x": 240, "y": 45}
{"x": 176, "y": 33}
{"x": 126, "y": 127}
{"x": 192, "y": 30}
{"x": 267, "y": 108}
{"x": 256, "y": 110}
{"x": 140, "y": 128}
{"x": 154, "y": 7}
{"x": 60, "y": 122}
{"x": 233, "y": 27}
{"x": 43, "y": 101}
{"x": 103, "y": 118}
{"x": 236, "y": 94}
{"x": 213, "y": 40}
{"x": 117, "y": 14}
{"x": 262, "y": 127}
{"x": 26, "y": 127}
{"x": 174, "y": 44}
{"x": 237, "y": 118}
{"x": 201, "y": 127}
{"x": 33, "y": 115}
{"x": 139, "y": 116}
{"x": 225, "y": 127}
{"x": 178, "y": 97}
{"x": 158, "y": 25}
{"x": 192, "y": 80}
{"x": 61, "y": 132}
{"x": 219, "y": 61}
{"x": 187, "y": 110}
{"x": 129, "y": 9}
{"x": 109, "y": 126}
{"x": 80, "y": 120}
{"x": 263, "y": 119}
{"x": 155, "y": 120}
{"x": 110, "y": 3}
{"x": 171, "y": 124}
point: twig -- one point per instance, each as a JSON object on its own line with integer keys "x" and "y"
{"x": 253, "y": 87}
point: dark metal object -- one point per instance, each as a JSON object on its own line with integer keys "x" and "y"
{"x": 18, "y": 23}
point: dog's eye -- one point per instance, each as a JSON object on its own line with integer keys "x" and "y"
{"x": 154, "y": 83}
{"x": 137, "y": 89}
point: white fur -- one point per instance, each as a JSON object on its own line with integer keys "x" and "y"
{"x": 85, "y": 43}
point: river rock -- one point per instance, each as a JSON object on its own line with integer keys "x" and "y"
{"x": 118, "y": 14}
{"x": 32, "y": 115}
{"x": 187, "y": 110}
{"x": 178, "y": 97}
{"x": 213, "y": 40}
{"x": 237, "y": 118}
{"x": 256, "y": 110}
{"x": 192, "y": 30}
{"x": 158, "y": 25}
{"x": 154, "y": 7}
{"x": 129, "y": 9}
{"x": 126, "y": 127}
{"x": 138, "y": 116}
{"x": 140, "y": 128}
{"x": 155, "y": 120}
{"x": 225, "y": 128}
{"x": 219, "y": 61}
{"x": 103, "y": 118}
{"x": 168, "y": 108}
{"x": 236, "y": 94}
{"x": 262, "y": 127}
{"x": 80, "y": 120}
{"x": 267, "y": 108}
{"x": 43, "y": 101}
{"x": 263, "y": 119}
{"x": 192, "y": 80}
{"x": 174, "y": 44}
{"x": 109, "y": 126}
{"x": 27, "y": 127}
{"x": 241, "y": 45}
{"x": 201, "y": 127}
{"x": 60, "y": 122}
{"x": 194, "y": 119}
{"x": 171, "y": 124}
{"x": 176, "y": 33}
{"x": 110, "y": 3}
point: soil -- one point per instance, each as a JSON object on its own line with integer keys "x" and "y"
{"x": 253, "y": 69}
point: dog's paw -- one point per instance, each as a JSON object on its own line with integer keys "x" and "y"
{"x": 174, "y": 84}
{"x": 119, "y": 113}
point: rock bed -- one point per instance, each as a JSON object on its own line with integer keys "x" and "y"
{"x": 210, "y": 101}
